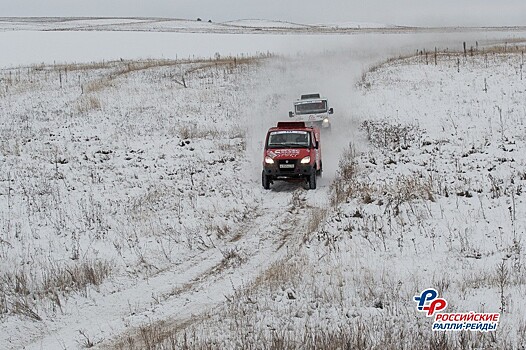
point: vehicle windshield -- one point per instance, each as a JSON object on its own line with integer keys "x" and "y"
{"x": 288, "y": 139}
{"x": 311, "y": 107}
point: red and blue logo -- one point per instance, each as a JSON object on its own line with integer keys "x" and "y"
{"x": 429, "y": 302}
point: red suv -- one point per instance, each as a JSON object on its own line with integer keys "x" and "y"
{"x": 292, "y": 152}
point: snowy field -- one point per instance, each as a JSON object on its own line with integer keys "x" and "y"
{"x": 132, "y": 213}
{"x": 178, "y": 25}
{"x": 32, "y": 41}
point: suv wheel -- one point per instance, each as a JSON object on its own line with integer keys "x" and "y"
{"x": 265, "y": 181}
{"x": 312, "y": 181}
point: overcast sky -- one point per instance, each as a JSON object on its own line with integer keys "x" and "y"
{"x": 402, "y": 12}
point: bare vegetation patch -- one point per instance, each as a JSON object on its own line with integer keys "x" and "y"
{"x": 24, "y": 306}
{"x": 346, "y": 177}
{"x": 316, "y": 219}
{"x": 351, "y": 183}
{"x": 383, "y": 133}
{"x": 406, "y": 189}
{"x": 232, "y": 257}
{"x": 373, "y": 319}
{"x": 88, "y": 103}
{"x": 22, "y": 290}
{"x": 191, "y": 131}
{"x": 76, "y": 277}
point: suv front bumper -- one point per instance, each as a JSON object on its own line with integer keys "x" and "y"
{"x": 299, "y": 171}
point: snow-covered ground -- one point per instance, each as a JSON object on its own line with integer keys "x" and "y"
{"x": 30, "y": 41}
{"x": 169, "y": 24}
{"x": 132, "y": 213}
{"x": 62, "y": 47}
{"x": 430, "y": 194}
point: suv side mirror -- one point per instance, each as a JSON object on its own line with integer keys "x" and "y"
{"x": 291, "y": 114}
{"x": 316, "y": 144}
{"x": 331, "y": 111}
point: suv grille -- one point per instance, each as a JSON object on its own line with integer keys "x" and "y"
{"x": 287, "y": 165}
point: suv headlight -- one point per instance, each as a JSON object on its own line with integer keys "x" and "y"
{"x": 305, "y": 160}
{"x": 326, "y": 121}
{"x": 269, "y": 160}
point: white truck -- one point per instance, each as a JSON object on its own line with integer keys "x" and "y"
{"x": 313, "y": 110}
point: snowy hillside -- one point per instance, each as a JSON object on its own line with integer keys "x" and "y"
{"x": 430, "y": 194}
{"x": 172, "y": 25}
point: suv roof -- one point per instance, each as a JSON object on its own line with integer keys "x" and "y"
{"x": 309, "y": 96}
{"x": 291, "y": 126}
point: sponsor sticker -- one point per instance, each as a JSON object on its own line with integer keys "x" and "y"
{"x": 429, "y": 303}
{"x": 286, "y": 152}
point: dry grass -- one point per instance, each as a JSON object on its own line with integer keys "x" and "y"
{"x": 317, "y": 217}
{"x": 342, "y": 186}
{"x": 121, "y": 68}
{"x": 73, "y": 67}
{"x": 353, "y": 183}
{"x": 76, "y": 277}
{"x": 148, "y": 337}
{"x": 434, "y": 56}
{"x": 88, "y": 103}
{"x": 404, "y": 189}
{"x": 191, "y": 131}
{"x": 166, "y": 335}
{"x": 20, "y": 290}
{"x": 156, "y": 335}
{"x": 373, "y": 68}
{"x": 244, "y": 322}
{"x": 4, "y": 309}
{"x": 385, "y": 134}
{"x": 24, "y": 306}
{"x": 282, "y": 272}
{"x": 232, "y": 258}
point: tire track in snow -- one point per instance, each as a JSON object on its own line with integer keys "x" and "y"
{"x": 184, "y": 292}
{"x": 284, "y": 215}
